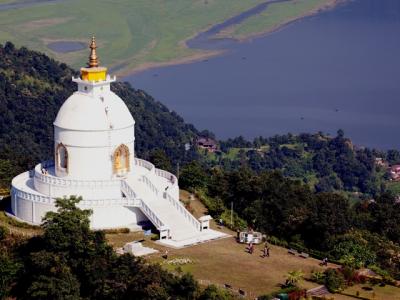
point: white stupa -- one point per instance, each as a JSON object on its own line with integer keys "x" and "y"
{"x": 94, "y": 158}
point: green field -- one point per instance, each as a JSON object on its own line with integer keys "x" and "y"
{"x": 129, "y": 32}
{"x": 277, "y": 14}
{"x": 132, "y": 34}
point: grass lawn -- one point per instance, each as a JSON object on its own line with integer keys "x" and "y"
{"x": 381, "y": 293}
{"x": 276, "y": 15}
{"x": 129, "y": 32}
{"x": 226, "y": 261}
{"x": 18, "y": 228}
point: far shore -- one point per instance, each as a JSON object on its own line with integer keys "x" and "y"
{"x": 331, "y": 4}
{"x": 205, "y": 54}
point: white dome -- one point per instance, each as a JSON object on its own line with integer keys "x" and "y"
{"x": 89, "y": 112}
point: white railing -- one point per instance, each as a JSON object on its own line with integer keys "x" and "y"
{"x": 144, "y": 163}
{"x": 167, "y": 175}
{"x": 182, "y": 209}
{"x": 107, "y": 202}
{"x": 57, "y": 181}
{"x": 174, "y": 202}
{"x": 152, "y": 216}
{"x": 86, "y": 203}
{"x": 31, "y": 197}
{"x": 129, "y": 192}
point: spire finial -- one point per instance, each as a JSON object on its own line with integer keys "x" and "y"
{"x": 93, "y": 59}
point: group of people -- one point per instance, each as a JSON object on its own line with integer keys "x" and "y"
{"x": 44, "y": 171}
{"x": 266, "y": 250}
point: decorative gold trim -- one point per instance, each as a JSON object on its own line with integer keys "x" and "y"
{"x": 122, "y": 151}
{"x": 93, "y": 59}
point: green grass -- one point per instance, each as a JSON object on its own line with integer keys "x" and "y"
{"x": 135, "y": 34}
{"x": 378, "y": 292}
{"x": 276, "y": 15}
{"x": 129, "y": 32}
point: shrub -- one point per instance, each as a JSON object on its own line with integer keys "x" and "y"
{"x": 318, "y": 277}
{"x": 334, "y": 280}
{"x": 276, "y": 241}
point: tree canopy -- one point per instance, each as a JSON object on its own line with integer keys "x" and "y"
{"x": 70, "y": 261}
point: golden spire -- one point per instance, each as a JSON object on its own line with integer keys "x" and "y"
{"x": 93, "y": 72}
{"x": 93, "y": 59}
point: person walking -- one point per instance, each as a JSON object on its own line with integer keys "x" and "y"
{"x": 251, "y": 248}
{"x": 264, "y": 252}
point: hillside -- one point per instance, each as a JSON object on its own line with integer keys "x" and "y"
{"x": 325, "y": 163}
{"x": 32, "y": 89}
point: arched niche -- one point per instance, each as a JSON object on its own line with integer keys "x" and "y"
{"x": 121, "y": 163}
{"x": 62, "y": 158}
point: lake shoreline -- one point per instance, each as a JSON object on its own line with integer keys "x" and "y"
{"x": 320, "y": 9}
{"x": 206, "y": 54}
{"x": 174, "y": 62}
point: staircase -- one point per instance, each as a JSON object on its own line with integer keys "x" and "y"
{"x": 162, "y": 209}
{"x": 318, "y": 291}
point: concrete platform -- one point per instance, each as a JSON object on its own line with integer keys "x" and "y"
{"x": 137, "y": 249}
{"x": 206, "y": 236}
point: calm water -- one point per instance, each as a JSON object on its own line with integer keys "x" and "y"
{"x": 339, "y": 69}
{"x": 66, "y": 46}
{"x": 25, "y": 3}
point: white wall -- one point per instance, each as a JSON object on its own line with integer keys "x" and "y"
{"x": 90, "y": 152}
{"x": 96, "y": 190}
{"x": 115, "y": 216}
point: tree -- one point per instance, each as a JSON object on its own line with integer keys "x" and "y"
{"x": 70, "y": 261}
{"x": 213, "y": 293}
{"x": 51, "y": 278}
{"x": 68, "y": 229}
{"x": 192, "y": 176}
{"x": 294, "y": 277}
{"x": 329, "y": 216}
{"x": 354, "y": 253}
{"x": 8, "y": 274}
{"x": 393, "y": 156}
{"x": 160, "y": 159}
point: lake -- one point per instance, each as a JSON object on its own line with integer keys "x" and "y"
{"x": 338, "y": 69}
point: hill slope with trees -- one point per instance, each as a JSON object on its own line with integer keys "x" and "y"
{"x": 32, "y": 89}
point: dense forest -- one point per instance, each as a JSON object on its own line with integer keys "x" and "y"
{"x": 325, "y": 163}
{"x": 32, "y": 89}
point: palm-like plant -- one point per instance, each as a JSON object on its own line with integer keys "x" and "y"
{"x": 293, "y": 277}
{"x": 318, "y": 276}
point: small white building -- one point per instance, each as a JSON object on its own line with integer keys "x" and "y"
{"x": 94, "y": 158}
